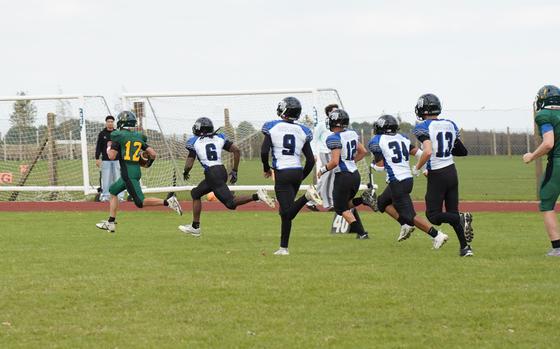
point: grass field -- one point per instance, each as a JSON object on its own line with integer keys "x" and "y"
{"x": 480, "y": 177}
{"x": 66, "y": 284}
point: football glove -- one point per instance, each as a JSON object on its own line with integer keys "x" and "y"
{"x": 233, "y": 176}
{"x": 186, "y": 175}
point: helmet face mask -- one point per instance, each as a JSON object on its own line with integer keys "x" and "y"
{"x": 548, "y": 95}
{"x": 337, "y": 118}
{"x": 203, "y": 127}
{"x": 386, "y": 124}
{"x": 427, "y": 105}
{"x": 126, "y": 119}
{"x": 289, "y": 108}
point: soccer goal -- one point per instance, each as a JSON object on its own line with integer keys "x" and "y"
{"x": 47, "y": 146}
{"x": 167, "y": 119}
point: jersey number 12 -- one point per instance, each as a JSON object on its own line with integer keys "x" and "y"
{"x": 135, "y": 156}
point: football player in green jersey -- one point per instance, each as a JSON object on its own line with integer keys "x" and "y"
{"x": 547, "y": 118}
{"x": 126, "y": 145}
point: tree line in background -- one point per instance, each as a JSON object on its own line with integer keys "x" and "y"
{"x": 24, "y": 115}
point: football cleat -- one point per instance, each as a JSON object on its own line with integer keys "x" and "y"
{"x": 312, "y": 195}
{"x": 439, "y": 240}
{"x": 406, "y": 230}
{"x": 282, "y": 251}
{"x": 554, "y": 252}
{"x": 106, "y": 225}
{"x": 312, "y": 207}
{"x": 189, "y": 229}
{"x": 369, "y": 197}
{"x": 264, "y": 197}
{"x": 173, "y": 204}
{"x": 466, "y": 222}
{"x": 362, "y": 237}
{"x": 466, "y": 251}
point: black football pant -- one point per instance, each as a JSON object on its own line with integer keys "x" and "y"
{"x": 398, "y": 194}
{"x": 443, "y": 188}
{"x": 286, "y": 186}
{"x": 215, "y": 180}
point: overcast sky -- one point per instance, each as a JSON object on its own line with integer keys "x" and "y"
{"x": 380, "y": 55}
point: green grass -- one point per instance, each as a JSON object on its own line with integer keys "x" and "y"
{"x": 480, "y": 177}
{"x": 66, "y": 284}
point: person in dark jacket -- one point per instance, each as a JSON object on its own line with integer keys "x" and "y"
{"x": 110, "y": 169}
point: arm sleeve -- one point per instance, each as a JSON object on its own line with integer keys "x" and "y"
{"x": 421, "y": 133}
{"x": 265, "y": 150}
{"x": 459, "y": 148}
{"x": 116, "y": 146}
{"x": 192, "y": 154}
{"x": 227, "y": 145}
{"x": 333, "y": 142}
{"x": 309, "y": 159}
{"x": 98, "y": 146}
{"x": 546, "y": 128}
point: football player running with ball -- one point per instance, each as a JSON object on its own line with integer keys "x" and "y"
{"x": 206, "y": 145}
{"x": 440, "y": 142}
{"x": 391, "y": 152}
{"x": 346, "y": 150}
{"x": 126, "y": 145}
{"x": 287, "y": 140}
{"x": 547, "y": 118}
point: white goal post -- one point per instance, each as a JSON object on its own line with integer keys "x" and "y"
{"x": 167, "y": 118}
{"x": 45, "y": 145}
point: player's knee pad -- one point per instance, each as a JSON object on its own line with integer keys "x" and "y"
{"x": 230, "y": 205}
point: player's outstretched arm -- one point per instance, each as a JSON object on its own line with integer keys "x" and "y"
{"x": 236, "y": 157}
{"x": 543, "y": 149}
{"x": 189, "y": 163}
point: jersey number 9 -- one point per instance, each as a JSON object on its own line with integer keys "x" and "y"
{"x": 289, "y": 145}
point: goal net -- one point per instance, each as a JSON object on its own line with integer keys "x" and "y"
{"x": 167, "y": 120}
{"x": 47, "y": 146}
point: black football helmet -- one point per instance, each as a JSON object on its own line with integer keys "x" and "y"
{"x": 126, "y": 119}
{"x": 203, "y": 127}
{"x": 338, "y": 118}
{"x": 386, "y": 124}
{"x": 289, "y": 108}
{"x": 427, "y": 104}
{"x": 547, "y": 95}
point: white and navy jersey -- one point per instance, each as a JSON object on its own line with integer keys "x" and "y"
{"x": 443, "y": 134}
{"x": 208, "y": 150}
{"x": 395, "y": 150}
{"x": 288, "y": 140}
{"x": 347, "y": 141}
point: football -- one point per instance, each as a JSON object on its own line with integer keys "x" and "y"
{"x": 145, "y": 159}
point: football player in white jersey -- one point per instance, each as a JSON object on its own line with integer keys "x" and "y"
{"x": 288, "y": 140}
{"x": 207, "y": 145}
{"x": 440, "y": 142}
{"x": 346, "y": 150}
{"x": 391, "y": 152}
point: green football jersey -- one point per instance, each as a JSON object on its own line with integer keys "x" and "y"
{"x": 130, "y": 145}
{"x": 551, "y": 117}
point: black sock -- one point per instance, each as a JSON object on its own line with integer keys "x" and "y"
{"x": 195, "y": 225}
{"x": 401, "y": 221}
{"x": 555, "y": 244}
{"x": 432, "y": 232}
{"x": 357, "y": 202}
{"x": 286, "y": 228}
{"x": 111, "y": 219}
{"x": 460, "y": 235}
{"x": 357, "y": 227}
{"x": 165, "y": 203}
{"x": 255, "y": 197}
